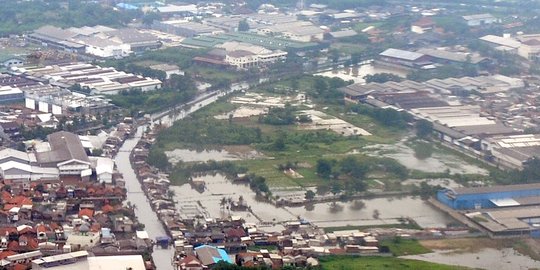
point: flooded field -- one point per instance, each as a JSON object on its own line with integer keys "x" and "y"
{"x": 389, "y": 209}
{"x": 437, "y": 162}
{"x": 208, "y": 204}
{"x": 488, "y": 258}
{"x": 187, "y": 155}
{"x": 321, "y": 120}
{"x": 357, "y": 74}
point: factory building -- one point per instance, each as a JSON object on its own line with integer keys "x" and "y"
{"x": 100, "y": 80}
{"x": 401, "y": 58}
{"x": 513, "y": 151}
{"x": 501, "y": 211}
{"x": 487, "y": 197}
{"x": 480, "y": 19}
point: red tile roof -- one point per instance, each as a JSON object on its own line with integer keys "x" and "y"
{"x": 20, "y": 267}
{"x": 107, "y": 208}
{"x": 6, "y": 253}
{"x": 86, "y": 212}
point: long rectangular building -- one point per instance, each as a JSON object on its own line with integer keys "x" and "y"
{"x": 487, "y": 197}
{"x": 100, "y": 80}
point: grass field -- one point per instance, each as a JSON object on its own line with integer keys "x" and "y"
{"x": 402, "y": 247}
{"x": 381, "y": 263}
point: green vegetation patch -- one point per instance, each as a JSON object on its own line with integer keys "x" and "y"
{"x": 402, "y": 247}
{"x": 380, "y": 263}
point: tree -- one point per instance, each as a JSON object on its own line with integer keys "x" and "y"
{"x": 376, "y": 214}
{"x": 334, "y": 55}
{"x": 424, "y": 128}
{"x": 40, "y": 187}
{"x": 158, "y": 159}
{"x": 97, "y": 152}
{"x": 352, "y": 167}
{"x": 324, "y": 168}
{"x": 279, "y": 142}
{"x": 149, "y": 18}
{"x": 223, "y": 202}
{"x": 310, "y": 195}
{"x": 335, "y": 188}
{"x": 243, "y": 26}
{"x": 171, "y": 193}
{"x": 382, "y": 78}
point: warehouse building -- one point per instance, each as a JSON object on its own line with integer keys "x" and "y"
{"x": 502, "y": 211}
{"x": 185, "y": 28}
{"x": 403, "y": 58}
{"x": 487, "y": 197}
{"x": 449, "y": 57}
{"x": 100, "y": 80}
{"x": 480, "y": 19}
{"x": 505, "y": 43}
{"x": 62, "y": 101}
{"x": 510, "y": 222}
{"x": 245, "y": 55}
{"x": 513, "y": 151}
{"x": 99, "y": 41}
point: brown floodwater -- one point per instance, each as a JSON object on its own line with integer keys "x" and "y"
{"x": 207, "y": 203}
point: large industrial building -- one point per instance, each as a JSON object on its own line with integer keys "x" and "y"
{"x": 502, "y": 211}
{"x": 62, "y": 157}
{"x": 487, "y": 197}
{"x": 513, "y": 151}
{"x": 99, "y": 41}
{"x": 185, "y": 28}
{"x": 100, "y": 80}
{"x": 461, "y": 125}
{"x": 402, "y": 58}
{"x": 245, "y": 56}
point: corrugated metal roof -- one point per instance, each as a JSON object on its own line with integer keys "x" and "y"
{"x": 401, "y": 54}
{"x": 494, "y": 189}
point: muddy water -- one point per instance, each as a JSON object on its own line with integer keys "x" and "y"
{"x": 488, "y": 258}
{"x": 357, "y": 74}
{"x": 186, "y": 155}
{"x": 198, "y": 103}
{"x": 390, "y": 210}
{"x": 438, "y": 162}
{"x": 135, "y": 194}
{"x": 143, "y": 211}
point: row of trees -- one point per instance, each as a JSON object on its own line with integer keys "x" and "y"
{"x": 17, "y": 17}
{"x": 387, "y": 117}
{"x": 279, "y": 116}
{"x": 353, "y": 167}
{"x": 178, "y": 89}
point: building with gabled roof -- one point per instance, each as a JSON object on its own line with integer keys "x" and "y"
{"x": 423, "y": 25}
{"x": 403, "y": 58}
{"x": 210, "y": 255}
{"x": 66, "y": 153}
{"x": 480, "y": 19}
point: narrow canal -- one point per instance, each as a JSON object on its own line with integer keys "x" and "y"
{"x": 143, "y": 211}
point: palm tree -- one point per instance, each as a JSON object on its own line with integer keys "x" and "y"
{"x": 223, "y": 202}
{"x": 241, "y": 200}
{"x": 170, "y": 193}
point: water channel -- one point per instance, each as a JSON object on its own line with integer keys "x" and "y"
{"x": 143, "y": 211}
